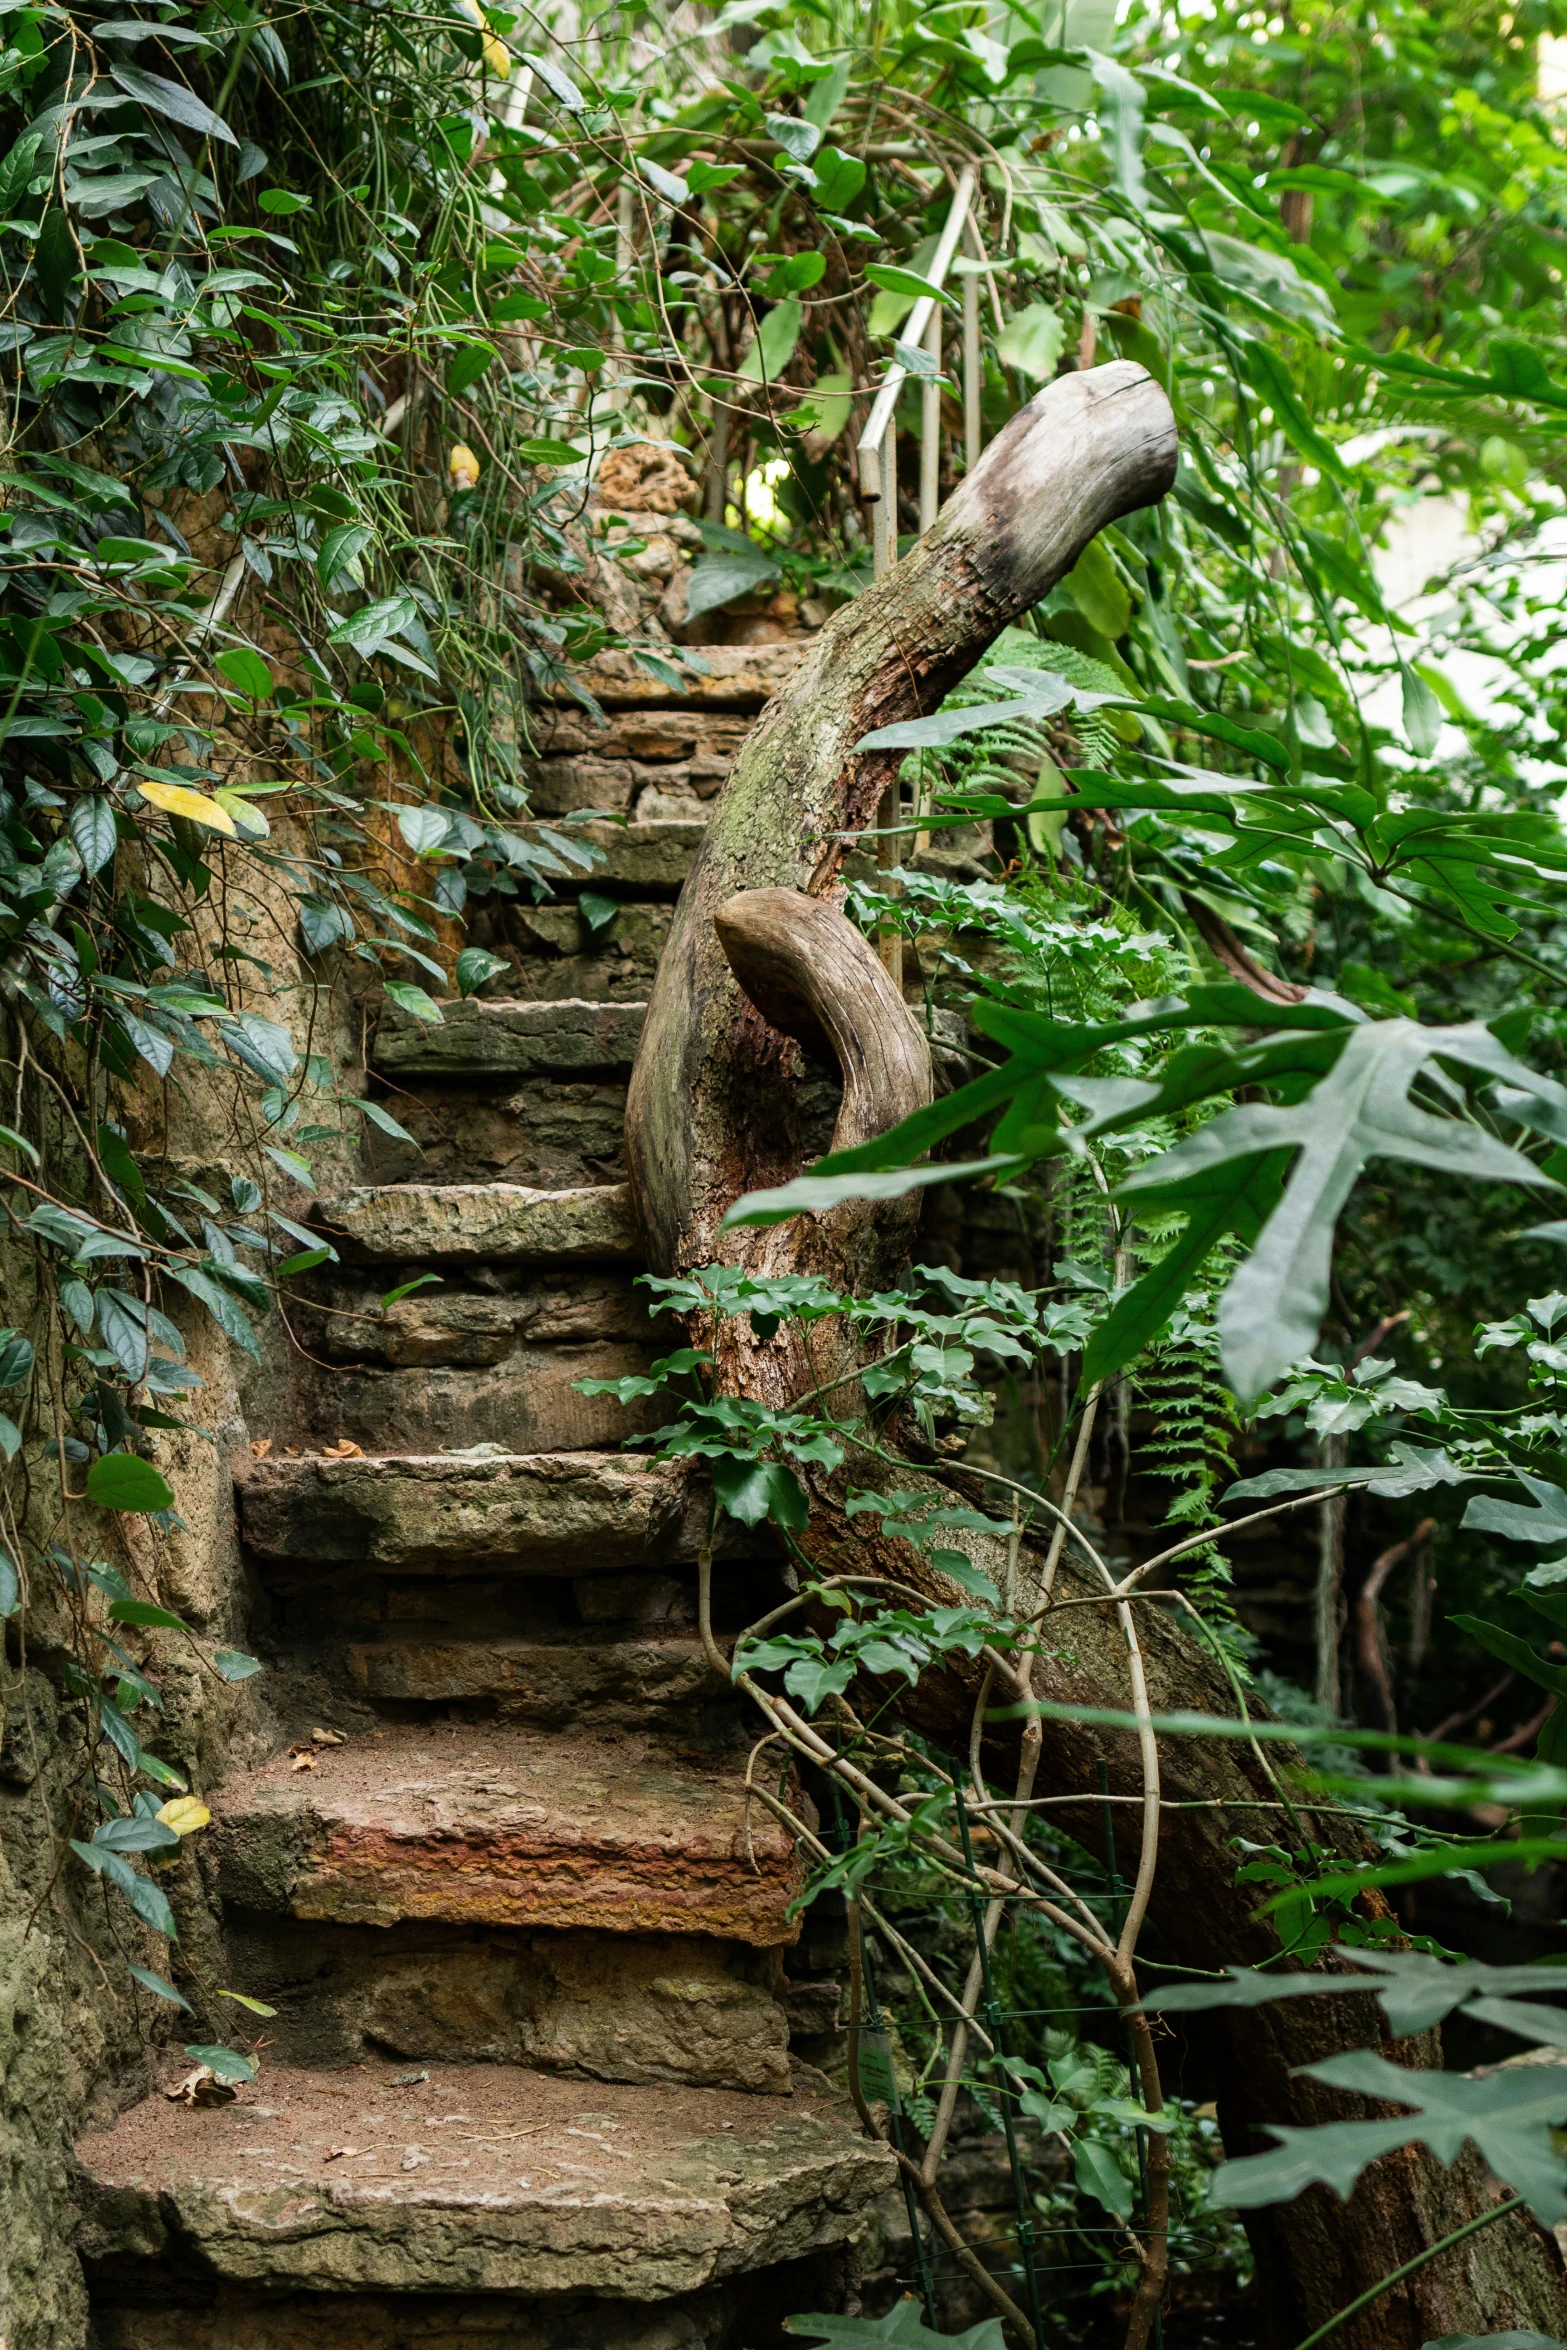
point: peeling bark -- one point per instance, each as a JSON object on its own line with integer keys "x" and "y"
{"x": 758, "y": 972}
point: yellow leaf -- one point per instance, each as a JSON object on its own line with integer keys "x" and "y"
{"x": 463, "y": 466}
{"x": 184, "y": 1815}
{"x": 496, "y": 57}
{"x": 175, "y": 800}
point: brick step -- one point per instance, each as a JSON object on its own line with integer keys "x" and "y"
{"x": 475, "y": 2180}
{"x": 503, "y": 1223}
{"x": 528, "y": 1402}
{"x": 504, "y": 1827}
{"x": 568, "y": 1513}
{"x": 485, "y": 1037}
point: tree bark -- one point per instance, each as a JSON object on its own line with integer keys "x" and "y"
{"x": 761, "y": 971}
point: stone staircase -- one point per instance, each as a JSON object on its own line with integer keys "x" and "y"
{"x": 530, "y": 2083}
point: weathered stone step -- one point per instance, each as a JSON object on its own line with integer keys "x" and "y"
{"x": 480, "y": 1037}
{"x": 529, "y": 1403}
{"x": 474, "y": 2179}
{"x": 732, "y": 677}
{"x": 554, "y": 1684}
{"x": 556, "y": 954}
{"x": 536, "y": 1513}
{"x": 633, "y": 860}
{"x": 502, "y": 1827}
{"x": 477, "y": 1327}
{"x": 506, "y": 1223}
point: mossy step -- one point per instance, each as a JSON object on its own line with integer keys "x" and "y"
{"x": 481, "y": 1037}
{"x": 474, "y": 2179}
{"x": 478, "y": 1318}
{"x": 506, "y": 1827}
{"x": 536, "y": 1513}
{"x": 505, "y": 1223}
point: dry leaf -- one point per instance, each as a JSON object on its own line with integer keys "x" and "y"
{"x": 260, "y": 1447}
{"x": 344, "y": 1449}
{"x": 329, "y": 1737}
{"x": 201, "y": 2087}
{"x": 341, "y": 2153}
{"x": 303, "y": 1758}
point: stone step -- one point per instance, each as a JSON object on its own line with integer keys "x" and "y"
{"x": 473, "y": 2179}
{"x": 505, "y": 1223}
{"x": 556, "y": 953}
{"x": 476, "y": 1327}
{"x": 570, "y": 1513}
{"x": 503, "y": 1827}
{"x": 631, "y": 860}
{"x": 529, "y": 1403}
{"x": 732, "y": 677}
{"x": 553, "y": 1684}
{"x": 481, "y": 1037}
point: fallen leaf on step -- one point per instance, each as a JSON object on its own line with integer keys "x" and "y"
{"x": 329, "y": 1737}
{"x": 344, "y": 1449}
{"x": 260, "y": 1447}
{"x": 201, "y": 2087}
{"x": 303, "y": 1758}
{"x": 339, "y": 2153}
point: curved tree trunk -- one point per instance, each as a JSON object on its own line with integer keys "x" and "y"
{"x": 716, "y": 1110}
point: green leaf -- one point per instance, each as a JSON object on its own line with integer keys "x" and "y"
{"x": 225, "y": 2064}
{"x": 55, "y": 263}
{"x": 123, "y": 1481}
{"x": 93, "y": 833}
{"x": 1273, "y": 1306}
{"x": 172, "y": 100}
{"x": 1545, "y": 1522}
{"x": 839, "y": 179}
{"x": 752, "y": 1490}
{"x": 305, "y": 1261}
{"x": 233, "y": 1665}
{"x": 142, "y": 1611}
{"x": 1243, "y": 1191}
{"x": 1507, "y": 1646}
{"x": 906, "y": 282}
{"x": 718, "y": 579}
{"x": 246, "y": 670}
{"x": 1095, "y": 587}
{"x": 1032, "y": 342}
{"x": 282, "y": 201}
{"x": 218, "y": 1304}
{"x": 474, "y": 966}
{"x": 1271, "y": 378}
{"x": 155, "y": 1983}
{"x": 10, "y": 1586}
{"x": 467, "y": 366}
{"x": 596, "y": 911}
{"x": 340, "y": 552}
{"x": 414, "y": 1002}
{"x": 1100, "y": 2176}
{"x": 812, "y": 1194}
{"x": 1507, "y": 2115}
{"x": 773, "y": 348}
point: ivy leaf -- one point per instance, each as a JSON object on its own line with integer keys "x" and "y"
{"x": 1509, "y": 2116}
{"x": 1546, "y": 1522}
{"x": 225, "y": 2064}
